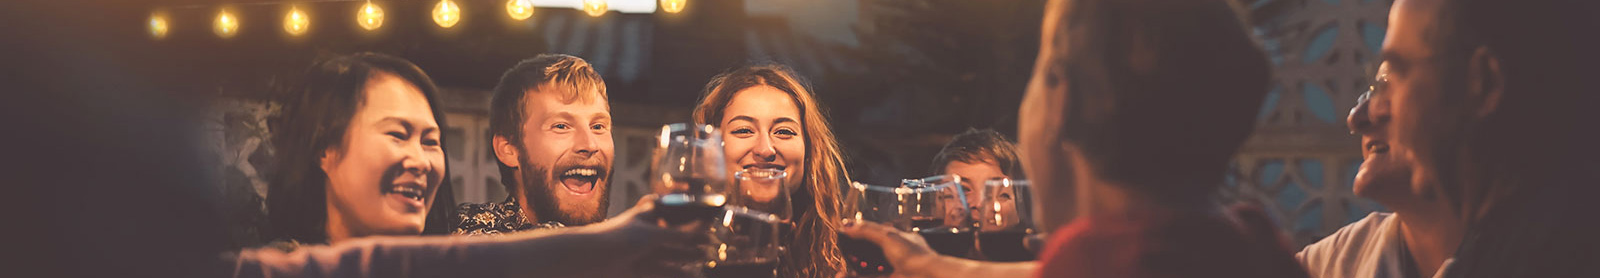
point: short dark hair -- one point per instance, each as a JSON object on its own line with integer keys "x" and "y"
{"x": 315, "y": 115}
{"x": 507, "y": 108}
{"x": 1160, "y": 93}
{"x": 1539, "y": 140}
{"x": 978, "y": 145}
{"x": 1548, "y": 68}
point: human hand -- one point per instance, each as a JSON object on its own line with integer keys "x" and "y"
{"x": 905, "y": 251}
{"x": 638, "y": 245}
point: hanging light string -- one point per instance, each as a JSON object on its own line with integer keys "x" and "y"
{"x": 226, "y": 23}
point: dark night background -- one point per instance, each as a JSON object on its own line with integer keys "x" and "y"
{"x": 898, "y": 78}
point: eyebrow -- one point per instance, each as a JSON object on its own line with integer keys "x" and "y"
{"x": 783, "y": 120}
{"x": 739, "y": 118}
{"x": 561, "y": 115}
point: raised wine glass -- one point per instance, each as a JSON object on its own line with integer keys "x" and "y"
{"x": 689, "y": 173}
{"x": 762, "y": 190}
{"x": 875, "y": 203}
{"x": 746, "y": 244}
{"x": 940, "y": 212}
{"x": 1005, "y": 220}
{"x": 748, "y": 236}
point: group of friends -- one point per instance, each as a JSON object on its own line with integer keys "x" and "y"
{"x": 1476, "y": 133}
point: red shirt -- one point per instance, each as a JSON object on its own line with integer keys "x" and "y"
{"x": 1240, "y": 242}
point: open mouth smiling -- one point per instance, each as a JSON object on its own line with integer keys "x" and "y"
{"x": 580, "y": 180}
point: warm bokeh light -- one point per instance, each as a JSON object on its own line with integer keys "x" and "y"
{"x": 296, "y": 22}
{"x": 594, "y": 7}
{"x": 446, "y": 13}
{"x": 673, "y": 6}
{"x": 370, "y": 16}
{"x": 226, "y": 25}
{"x": 519, "y": 9}
{"x": 158, "y": 26}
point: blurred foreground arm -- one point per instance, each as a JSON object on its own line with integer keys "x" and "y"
{"x": 624, "y": 246}
{"x": 911, "y": 256}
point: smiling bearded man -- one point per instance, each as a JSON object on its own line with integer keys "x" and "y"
{"x": 551, "y": 127}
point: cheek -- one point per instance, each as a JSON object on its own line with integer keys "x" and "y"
{"x": 735, "y": 148}
{"x": 793, "y": 151}
{"x": 793, "y": 155}
{"x": 358, "y": 169}
{"x": 542, "y": 151}
{"x": 439, "y": 167}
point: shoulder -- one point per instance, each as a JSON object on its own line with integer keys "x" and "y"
{"x": 1342, "y": 249}
{"x": 1092, "y": 247}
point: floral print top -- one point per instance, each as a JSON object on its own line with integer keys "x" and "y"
{"x": 495, "y": 219}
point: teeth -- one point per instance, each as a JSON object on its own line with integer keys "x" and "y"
{"x": 581, "y": 172}
{"x": 410, "y": 192}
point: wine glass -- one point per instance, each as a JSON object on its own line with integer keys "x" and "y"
{"x": 762, "y": 190}
{"x": 880, "y": 204}
{"x": 747, "y": 244}
{"x": 939, "y": 211}
{"x": 1005, "y": 220}
{"x": 689, "y": 173}
{"x": 748, "y": 236}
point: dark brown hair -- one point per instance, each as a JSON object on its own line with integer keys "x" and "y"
{"x": 1159, "y": 93}
{"x": 315, "y": 116}
{"x": 1524, "y": 174}
{"x": 978, "y": 145}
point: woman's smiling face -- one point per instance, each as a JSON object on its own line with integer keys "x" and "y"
{"x": 761, "y": 129}
{"x": 383, "y": 175}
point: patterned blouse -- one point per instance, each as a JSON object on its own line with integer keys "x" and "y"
{"x": 495, "y": 218}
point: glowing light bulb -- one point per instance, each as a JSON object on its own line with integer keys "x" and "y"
{"x": 594, "y": 7}
{"x": 370, "y": 16}
{"x": 519, "y": 9}
{"x": 158, "y": 26}
{"x": 446, "y": 13}
{"x": 673, "y": 6}
{"x": 296, "y": 22}
{"x": 226, "y": 25}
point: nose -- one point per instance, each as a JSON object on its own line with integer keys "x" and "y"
{"x": 414, "y": 162}
{"x": 1369, "y": 113}
{"x": 764, "y": 149}
{"x": 586, "y": 144}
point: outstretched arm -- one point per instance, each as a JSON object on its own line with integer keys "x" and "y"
{"x": 911, "y": 256}
{"x": 625, "y": 246}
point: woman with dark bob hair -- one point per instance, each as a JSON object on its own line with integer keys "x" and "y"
{"x": 359, "y": 153}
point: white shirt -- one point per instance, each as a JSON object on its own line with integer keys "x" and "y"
{"x": 1369, "y": 248}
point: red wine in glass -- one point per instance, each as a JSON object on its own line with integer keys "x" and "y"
{"x": 1004, "y": 246}
{"x": 949, "y": 241}
{"x": 678, "y": 208}
{"x": 864, "y": 257}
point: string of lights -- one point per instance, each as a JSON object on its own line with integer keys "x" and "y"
{"x": 370, "y": 16}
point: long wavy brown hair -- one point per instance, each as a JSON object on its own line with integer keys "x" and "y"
{"x": 812, "y": 251}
